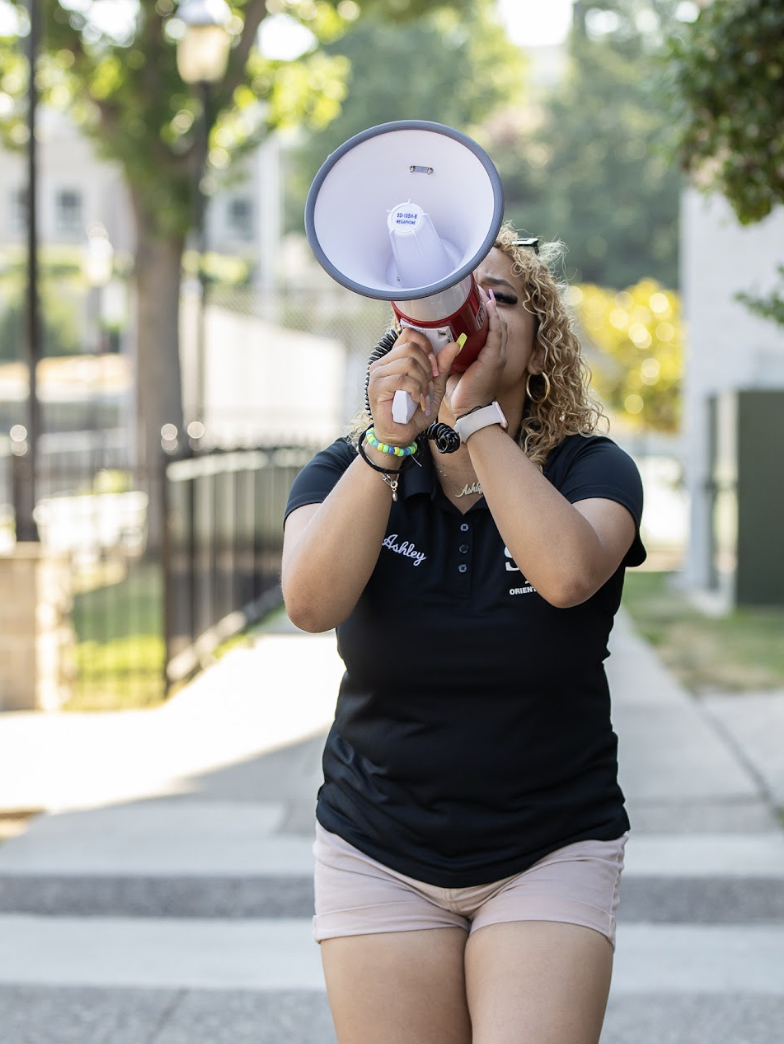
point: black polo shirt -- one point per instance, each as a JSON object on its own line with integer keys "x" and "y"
{"x": 472, "y": 734}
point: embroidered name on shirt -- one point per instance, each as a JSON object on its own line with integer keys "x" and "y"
{"x": 407, "y": 549}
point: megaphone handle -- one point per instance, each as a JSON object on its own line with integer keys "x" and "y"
{"x": 403, "y": 406}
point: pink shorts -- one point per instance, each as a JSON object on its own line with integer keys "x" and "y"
{"x": 355, "y": 895}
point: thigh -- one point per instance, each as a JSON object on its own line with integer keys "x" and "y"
{"x": 398, "y": 987}
{"x": 541, "y": 981}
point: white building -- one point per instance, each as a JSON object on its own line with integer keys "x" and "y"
{"x": 77, "y": 189}
{"x": 729, "y": 350}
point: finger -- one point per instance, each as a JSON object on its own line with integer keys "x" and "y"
{"x": 406, "y": 366}
{"x": 406, "y": 351}
{"x": 496, "y": 326}
{"x": 414, "y": 364}
{"x": 386, "y": 387}
{"x": 417, "y": 337}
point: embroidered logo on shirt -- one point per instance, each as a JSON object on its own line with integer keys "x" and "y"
{"x": 510, "y": 566}
{"x": 407, "y": 549}
{"x": 528, "y": 589}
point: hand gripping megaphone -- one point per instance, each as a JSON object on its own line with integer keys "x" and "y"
{"x": 404, "y": 212}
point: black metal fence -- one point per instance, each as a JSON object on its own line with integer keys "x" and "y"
{"x": 224, "y": 535}
{"x": 91, "y": 510}
{"x": 151, "y": 602}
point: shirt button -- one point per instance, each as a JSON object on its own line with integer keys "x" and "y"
{"x": 464, "y": 527}
{"x": 462, "y": 568}
{"x": 463, "y": 549}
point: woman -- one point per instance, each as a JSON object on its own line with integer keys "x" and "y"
{"x": 470, "y": 828}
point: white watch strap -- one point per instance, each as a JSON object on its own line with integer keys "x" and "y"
{"x": 473, "y": 422}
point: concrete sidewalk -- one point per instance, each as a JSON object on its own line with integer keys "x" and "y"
{"x": 164, "y": 893}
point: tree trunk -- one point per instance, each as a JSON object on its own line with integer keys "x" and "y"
{"x": 158, "y": 268}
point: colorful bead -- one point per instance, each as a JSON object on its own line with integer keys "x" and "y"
{"x": 383, "y": 447}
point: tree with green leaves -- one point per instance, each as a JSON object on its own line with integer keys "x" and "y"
{"x": 587, "y": 164}
{"x": 725, "y": 89}
{"x": 637, "y": 338}
{"x": 451, "y": 67}
{"x": 122, "y": 88}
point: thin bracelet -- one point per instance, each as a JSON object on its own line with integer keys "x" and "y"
{"x": 390, "y": 475}
{"x": 473, "y": 411}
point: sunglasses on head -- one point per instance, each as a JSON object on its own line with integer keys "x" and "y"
{"x": 532, "y": 243}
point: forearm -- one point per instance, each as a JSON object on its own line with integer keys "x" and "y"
{"x": 328, "y": 562}
{"x": 556, "y": 548}
{"x": 330, "y": 551}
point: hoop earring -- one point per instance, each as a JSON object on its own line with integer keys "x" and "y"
{"x": 546, "y": 380}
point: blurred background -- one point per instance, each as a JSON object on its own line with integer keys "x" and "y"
{"x": 171, "y": 353}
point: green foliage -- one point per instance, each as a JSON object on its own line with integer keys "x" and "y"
{"x": 125, "y": 92}
{"x": 60, "y": 291}
{"x": 638, "y": 336}
{"x": 769, "y": 307}
{"x": 128, "y": 96}
{"x": 217, "y": 269}
{"x": 586, "y": 165}
{"x": 447, "y": 67}
{"x": 725, "y": 91}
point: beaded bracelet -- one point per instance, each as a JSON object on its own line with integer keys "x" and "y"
{"x": 390, "y": 475}
{"x": 397, "y": 451}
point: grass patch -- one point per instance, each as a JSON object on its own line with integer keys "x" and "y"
{"x": 121, "y": 674}
{"x": 740, "y": 652}
{"x": 119, "y": 642}
{"x": 123, "y": 601}
{"x": 120, "y": 649}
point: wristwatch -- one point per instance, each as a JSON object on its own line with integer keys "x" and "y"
{"x": 475, "y": 420}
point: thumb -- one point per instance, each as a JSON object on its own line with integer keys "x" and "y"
{"x": 445, "y": 359}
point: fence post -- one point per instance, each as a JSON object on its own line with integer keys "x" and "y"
{"x": 165, "y": 566}
{"x": 23, "y": 491}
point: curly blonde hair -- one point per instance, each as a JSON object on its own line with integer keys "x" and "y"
{"x": 560, "y": 404}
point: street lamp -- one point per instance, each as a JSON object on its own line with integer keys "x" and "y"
{"x": 97, "y": 257}
{"x": 203, "y": 50}
{"x": 202, "y": 57}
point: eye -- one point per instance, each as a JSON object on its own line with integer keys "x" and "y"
{"x": 505, "y": 298}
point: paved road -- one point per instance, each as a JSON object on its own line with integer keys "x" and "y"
{"x": 165, "y": 896}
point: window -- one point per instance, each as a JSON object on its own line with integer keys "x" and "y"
{"x": 241, "y": 218}
{"x": 68, "y": 212}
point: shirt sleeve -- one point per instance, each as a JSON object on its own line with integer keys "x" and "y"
{"x": 600, "y": 468}
{"x": 320, "y": 475}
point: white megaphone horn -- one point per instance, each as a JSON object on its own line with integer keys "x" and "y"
{"x": 404, "y": 212}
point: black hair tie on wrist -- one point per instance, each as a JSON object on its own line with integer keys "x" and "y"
{"x": 376, "y": 467}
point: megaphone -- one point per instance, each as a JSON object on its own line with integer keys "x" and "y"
{"x": 404, "y": 212}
